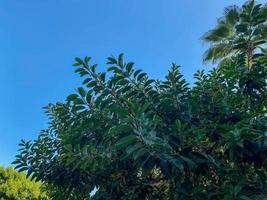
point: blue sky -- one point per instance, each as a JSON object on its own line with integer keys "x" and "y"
{"x": 39, "y": 40}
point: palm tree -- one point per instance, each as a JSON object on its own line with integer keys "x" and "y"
{"x": 240, "y": 31}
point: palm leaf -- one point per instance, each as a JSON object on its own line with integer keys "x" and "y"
{"x": 217, "y": 52}
{"x": 218, "y": 33}
{"x": 232, "y": 14}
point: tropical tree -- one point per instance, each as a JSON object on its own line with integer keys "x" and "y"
{"x": 16, "y": 186}
{"x": 240, "y": 31}
{"x": 132, "y": 137}
{"x": 137, "y": 138}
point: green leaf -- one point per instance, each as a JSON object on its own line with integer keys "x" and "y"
{"x": 103, "y": 76}
{"x": 22, "y": 169}
{"x": 77, "y": 64}
{"x": 120, "y": 128}
{"x": 98, "y": 88}
{"x": 129, "y": 67}
{"x": 137, "y": 72}
{"x": 148, "y": 82}
{"x": 129, "y": 139}
{"x": 81, "y": 91}
{"x": 122, "y": 82}
{"x": 87, "y": 59}
{"x": 88, "y": 97}
{"x": 120, "y": 60}
{"x": 87, "y": 80}
{"x": 93, "y": 68}
{"x": 119, "y": 111}
{"x": 113, "y": 68}
{"x": 140, "y": 76}
{"x": 140, "y": 153}
{"x": 72, "y": 97}
{"x": 131, "y": 149}
{"x": 111, "y": 60}
{"x": 243, "y": 197}
{"x": 78, "y": 60}
{"x": 91, "y": 84}
{"x": 80, "y": 108}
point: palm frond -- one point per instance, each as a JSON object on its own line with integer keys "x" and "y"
{"x": 264, "y": 11}
{"x": 218, "y": 33}
{"x": 249, "y": 5}
{"x": 232, "y": 14}
{"x": 217, "y": 51}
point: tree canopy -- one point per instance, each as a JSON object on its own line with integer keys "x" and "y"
{"x": 16, "y": 186}
{"x": 133, "y": 137}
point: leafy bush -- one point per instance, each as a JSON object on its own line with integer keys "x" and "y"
{"x": 15, "y": 186}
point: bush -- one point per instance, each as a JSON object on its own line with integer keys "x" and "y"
{"x": 15, "y": 186}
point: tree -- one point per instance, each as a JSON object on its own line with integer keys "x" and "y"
{"x": 138, "y": 138}
{"x": 240, "y": 31}
{"x": 133, "y": 137}
{"x": 15, "y": 186}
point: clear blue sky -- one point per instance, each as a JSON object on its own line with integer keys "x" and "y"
{"x": 39, "y": 40}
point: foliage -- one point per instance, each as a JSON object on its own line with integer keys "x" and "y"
{"x": 16, "y": 186}
{"x": 241, "y": 30}
{"x": 133, "y": 137}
